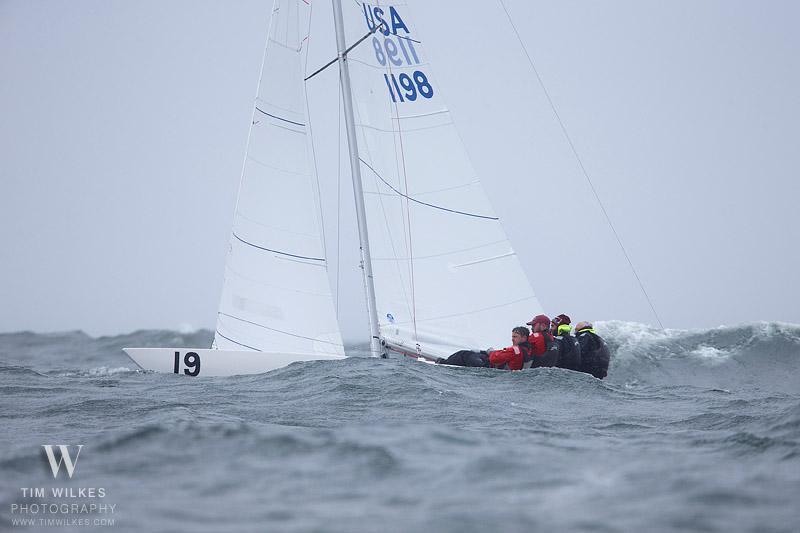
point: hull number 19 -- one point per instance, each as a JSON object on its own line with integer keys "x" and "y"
{"x": 191, "y": 362}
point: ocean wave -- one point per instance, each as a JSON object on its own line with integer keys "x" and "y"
{"x": 630, "y": 337}
{"x": 100, "y": 371}
{"x": 749, "y": 443}
{"x": 718, "y": 358}
{"x": 266, "y": 441}
{"x": 18, "y": 370}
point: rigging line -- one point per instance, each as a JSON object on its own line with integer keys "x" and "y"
{"x": 307, "y": 39}
{"x": 338, "y": 193}
{"x": 277, "y": 330}
{"x": 235, "y": 342}
{"x": 278, "y": 251}
{"x": 408, "y": 211}
{"x": 580, "y": 164}
{"x": 426, "y": 203}
{"x": 279, "y": 118}
{"x": 288, "y": 15}
{"x": 388, "y": 226}
{"x": 317, "y": 191}
{"x": 408, "y": 217}
{"x": 395, "y": 259}
{"x": 407, "y": 38}
{"x": 335, "y": 59}
{"x": 434, "y": 191}
{"x": 300, "y": 44}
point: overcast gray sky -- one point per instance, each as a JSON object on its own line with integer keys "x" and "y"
{"x": 124, "y": 125}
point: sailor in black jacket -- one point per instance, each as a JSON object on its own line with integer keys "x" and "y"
{"x": 569, "y": 356}
{"x": 595, "y": 355}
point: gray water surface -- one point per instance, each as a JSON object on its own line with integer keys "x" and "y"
{"x": 691, "y": 431}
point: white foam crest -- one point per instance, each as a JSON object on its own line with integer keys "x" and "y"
{"x": 777, "y": 329}
{"x": 710, "y": 354}
{"x": 632, "y": 341}
{"x": 100, "y": 371}
{"x": 633, "y": 332}
{"x": 105, "y": 371}
{"x": 633, "y": 338}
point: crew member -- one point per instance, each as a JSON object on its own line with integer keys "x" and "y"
{"x": 544, "y": 347}
{"x": 569, "y": 355}
{"x": 595, "y": 355}
{"x": 511, "y": 358}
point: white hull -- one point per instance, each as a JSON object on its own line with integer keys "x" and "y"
{"x": 210, "y": 362}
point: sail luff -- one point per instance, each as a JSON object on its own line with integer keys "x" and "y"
{"x": 355, "y": 166}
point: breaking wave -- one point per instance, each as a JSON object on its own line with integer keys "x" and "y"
{"x": 765, "y": 352}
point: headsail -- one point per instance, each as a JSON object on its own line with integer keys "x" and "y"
{"x": 276, "y": 295}
{"x": 445, "y": 274}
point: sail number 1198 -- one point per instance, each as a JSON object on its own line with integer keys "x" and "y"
{"x": 403, "y": 87}
{"x": 395, "y": 50}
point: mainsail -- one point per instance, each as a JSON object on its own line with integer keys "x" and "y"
{"x": 276, "y": 295}
{"x": 446, "y": 277}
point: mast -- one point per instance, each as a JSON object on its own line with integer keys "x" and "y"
{"x": 355, "y": 167}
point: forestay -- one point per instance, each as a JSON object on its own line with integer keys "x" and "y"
{"x": 445, "y": 274}
{"x": 276, "y": 295}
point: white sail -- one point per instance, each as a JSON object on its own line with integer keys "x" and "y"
{"x": 445, "y": 274}
{"x": 276, "y": 295}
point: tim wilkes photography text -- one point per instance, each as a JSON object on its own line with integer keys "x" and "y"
{"x": 62, "y": 506}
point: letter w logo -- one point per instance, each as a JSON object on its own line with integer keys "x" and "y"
{"x": 55, "y": 466}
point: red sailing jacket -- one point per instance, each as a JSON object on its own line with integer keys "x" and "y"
{"x": 537, "y": 343}
{"x": 545, "y": 349}
{"x": 512, "y": 356}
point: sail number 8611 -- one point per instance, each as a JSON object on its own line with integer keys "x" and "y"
{"x": 404, "y": 87}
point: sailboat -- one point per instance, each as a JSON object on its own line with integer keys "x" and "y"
{"x": 439, "y": 271}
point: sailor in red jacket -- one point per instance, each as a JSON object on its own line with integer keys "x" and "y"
{"x": 515, "y": 355}
{"x": 543, "y": 347}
